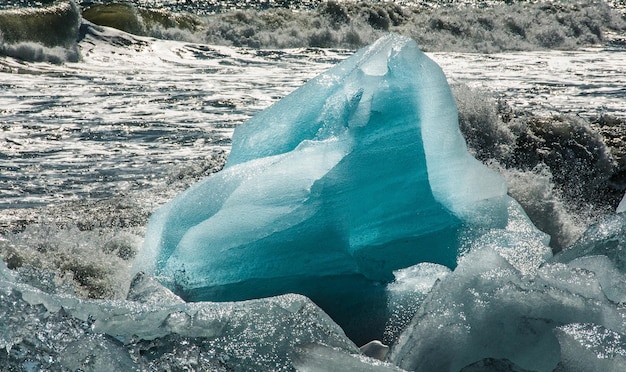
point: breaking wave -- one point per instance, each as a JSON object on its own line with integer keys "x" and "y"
{"x": 89, "y": 245}
{"x": 333, "y": 24}
{"x": 42, "y": 34}
{"x": 463, "y": 29}
{"x": 564, "y": 170}
{"x": 142, "y": 21}
{"x": 50, "y": 33}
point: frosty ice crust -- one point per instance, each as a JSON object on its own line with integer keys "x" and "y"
{"x": 360, "y": 172}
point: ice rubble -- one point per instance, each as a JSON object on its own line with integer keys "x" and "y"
{"x": 539, "y": 313}
{"x": 361, "y": 171}
{"x": 158, "y": 331}
{"x": 495, "y": 311}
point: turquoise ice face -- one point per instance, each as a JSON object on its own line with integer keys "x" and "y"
{"x": 359, "y": 172}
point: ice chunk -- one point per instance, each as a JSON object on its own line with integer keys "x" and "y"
{"x": 605, "y": 238}
{"x": 59, "y": 332}
{"x": 319, "y": 358}
{"x": 5, "y": 273}
{"x": 613, "y": 281}
{"x": 501, "y": 306}
{"x": 589, "y": 347}
{"x": 406, "y": 293}
{"x": 361, "y": 171}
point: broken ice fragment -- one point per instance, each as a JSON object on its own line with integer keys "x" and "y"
{"x": 621, "y": 208}
{"x": 497, "y": 306}
{"x": 319, "y": 358}
{"x": 60, "y": 332}
{"x": 589, "y": 347}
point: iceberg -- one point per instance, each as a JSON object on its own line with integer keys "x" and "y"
{"x": 360, "y": 172}
{"x": 356, "y": 191}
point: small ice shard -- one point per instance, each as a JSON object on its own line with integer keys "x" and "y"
{"x": 589, "y": 347}
{"x": 406, "y": 293}
{"x": 375, "y": 349}
{"x": 145, "y": 289}
{"x": 621, "y": 208}
{"x": 96, "y": 353}
{"x": 360, "y": 172}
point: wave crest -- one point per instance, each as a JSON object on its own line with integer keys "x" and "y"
{"x": 464, "y": 29}
{"x": 565, "y": 171}
{"x": 47, "y": 33}
{"x": 143, "y": 21}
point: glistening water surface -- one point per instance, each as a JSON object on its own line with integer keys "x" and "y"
{"x": 135, "y": 108}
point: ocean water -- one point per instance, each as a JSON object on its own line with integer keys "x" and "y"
{"x": 99, "y": 127}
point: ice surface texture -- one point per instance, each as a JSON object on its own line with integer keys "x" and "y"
{"x": 541, "y": 313}
{"x": 361, "y": 171}
{"x": 157, "y": 332}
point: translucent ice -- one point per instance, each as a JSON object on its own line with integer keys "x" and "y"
{"x": 48, "y": 331}
{"x": 318, "y": 358}
{"x": 508, "y": 300}
{"x": 588, "y": 347}
{"x": 361, "y": 171}
{"x": 406, "y": 293}
{"x": 606, "y": 238}
{"x": 621, "y": 208}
